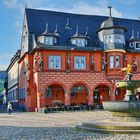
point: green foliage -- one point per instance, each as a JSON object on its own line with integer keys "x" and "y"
{"x": 2, "y": 78}
{"x": 1, "y": 85}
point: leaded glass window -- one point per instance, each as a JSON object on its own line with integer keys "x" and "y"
{"x": 80, "y": 42}
{"x": 54, "y": 62}
{"x": 137, "y": 45}
{"x": 80, "y": 62}
{"x": 111, "y": 62}
{"x": 117, "y": 61}
{"x": 49, "y": 40}
{"x": 114, "y": 38}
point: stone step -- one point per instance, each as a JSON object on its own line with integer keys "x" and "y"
{"x": 118, "y": 131}
{"x": 114, "y": 126}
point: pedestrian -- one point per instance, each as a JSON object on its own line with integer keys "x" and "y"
{"x": 9, "y": 108}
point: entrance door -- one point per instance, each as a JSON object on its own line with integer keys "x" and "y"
{"x": 96, "y": 97}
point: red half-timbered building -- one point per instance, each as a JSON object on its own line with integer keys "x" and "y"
{"x": 75, "y": 58}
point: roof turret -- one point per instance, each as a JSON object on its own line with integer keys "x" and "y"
{"x": 110, "y": 23}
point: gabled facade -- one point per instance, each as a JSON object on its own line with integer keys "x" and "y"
{"x": 74, "y": 58}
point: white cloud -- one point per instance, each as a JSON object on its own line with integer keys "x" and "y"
{"x": 99, "y": 8}
{"x": 10, "y": 3}
{"x": 18, "y": 25}
{"x": 102, "y": 3}
{"x": 14, "y": 4}
{"x": 21, "y": 4}
{"x": 85, "y": 8}
{"x": 78, "y": 7}
{"x": 128, "y": 2}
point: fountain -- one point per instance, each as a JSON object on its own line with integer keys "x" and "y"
{"x": 129, "y": 108}
{"x": 124, "y": 115}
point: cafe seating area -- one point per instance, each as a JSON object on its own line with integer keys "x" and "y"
{"x": 72, "y": 107}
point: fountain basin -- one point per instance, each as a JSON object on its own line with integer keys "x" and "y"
{"x": 123, "y": 108}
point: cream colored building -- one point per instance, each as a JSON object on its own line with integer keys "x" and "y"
{"x": 12, "y": 75}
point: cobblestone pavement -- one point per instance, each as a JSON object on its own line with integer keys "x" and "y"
{"x": 53, "y": 126}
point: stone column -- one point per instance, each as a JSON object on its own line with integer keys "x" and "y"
{"x": 67, "y": 97}
{"x": 113, "y": 93}
{"x": 40, "y": 98}
{"x": 90, "y": 97}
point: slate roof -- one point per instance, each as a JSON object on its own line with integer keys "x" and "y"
{"x": 37, "y": 20}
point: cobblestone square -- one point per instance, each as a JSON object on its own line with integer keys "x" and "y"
{"x": 53, "y": 126}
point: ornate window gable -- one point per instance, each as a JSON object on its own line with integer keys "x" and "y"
{"x": 47, "y": 38}
{"x": 79, "y": 40}
{"x": 134, "y": 44}
{"x": 134, "y": 41}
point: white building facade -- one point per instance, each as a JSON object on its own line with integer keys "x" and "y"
{"x": 12, "y": 89}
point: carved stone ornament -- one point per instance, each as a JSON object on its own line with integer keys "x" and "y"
{"x": 92, "y": 64}
{"x": 68, "y": 62}
{"x": 40, "y": 62}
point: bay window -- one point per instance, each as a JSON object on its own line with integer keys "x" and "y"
{"x": 114, "y": 61}
{"x": 111, "y": 62}
{"x": 117, "y": 61}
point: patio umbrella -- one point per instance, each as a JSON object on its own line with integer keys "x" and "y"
{"x": 57, "y": 102}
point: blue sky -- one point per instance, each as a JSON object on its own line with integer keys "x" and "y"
{"x": 12, "y": 11}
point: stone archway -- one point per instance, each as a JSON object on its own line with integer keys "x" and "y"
{"x": 101, "y": 93}
{"x": 79, "y": 94}
{"x": 54, "y": 92}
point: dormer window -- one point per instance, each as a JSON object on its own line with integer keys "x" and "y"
{"x": 79, "y": 42}
{"x": 48, "y": 38}
{"x": 137, "y": 45}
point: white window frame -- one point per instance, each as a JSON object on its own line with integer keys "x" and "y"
{"x": 136, "y": 45}
{"x": 73, "y": 41}
{"x": 54, "y": 62}
{"x": 111, "y": 62}
{"x": 80, "y": 62}
{"x": 41, "y": 39}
